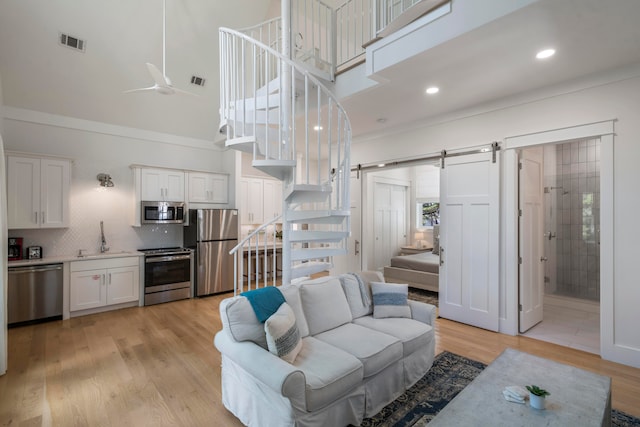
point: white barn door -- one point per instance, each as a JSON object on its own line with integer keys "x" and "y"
{"x": 531, "y": 244}
{"x": 469, "y": 240}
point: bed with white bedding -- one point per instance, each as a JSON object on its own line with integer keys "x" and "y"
{"x": 418, "y": 270}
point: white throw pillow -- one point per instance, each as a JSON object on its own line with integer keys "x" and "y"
{"x": 390, "y": 300}
{"x": 324, "y": 304}
{"x": 283, "y": 336}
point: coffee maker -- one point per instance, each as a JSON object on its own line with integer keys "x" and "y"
{"x": 15, "y": 248}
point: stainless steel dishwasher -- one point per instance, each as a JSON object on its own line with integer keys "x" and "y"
{"x": 35, "y": 293}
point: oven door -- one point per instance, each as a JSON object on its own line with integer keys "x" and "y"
{"x": 166, "y": 272}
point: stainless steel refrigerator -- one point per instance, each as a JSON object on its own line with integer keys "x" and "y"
{"x": 212, "y": 233}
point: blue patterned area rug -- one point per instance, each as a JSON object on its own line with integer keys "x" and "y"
{"x": 448, "y": 376}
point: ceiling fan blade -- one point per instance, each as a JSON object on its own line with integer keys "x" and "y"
{"x": 157, "y": 76}
{"x": 184, "y": 92}
{"x": 144, "y": 89}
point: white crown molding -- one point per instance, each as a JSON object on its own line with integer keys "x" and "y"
{"x": 38, "y": 117}
{"x": 577, "y": 85}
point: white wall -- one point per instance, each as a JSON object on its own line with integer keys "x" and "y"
{"x": 94, "y": 151}
{"x": 3, "y": 254}
{"x": 562, "y": 107}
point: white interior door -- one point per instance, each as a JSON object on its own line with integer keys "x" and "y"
{"x": 531, "y": 243}
{"x": 469, "y": 240}
{"x": 389, "y": 222}
{"x": 351, "y": 262}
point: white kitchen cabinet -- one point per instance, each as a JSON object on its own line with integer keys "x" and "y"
{"x": 251, "y": 201}
{"x": 208, "y": 187}
{"x": 260, "y": 200}
{"x": 272, "y": 191}
{"x": 105, "y": 282}
{"x": 37, "y": 192}
{"x": 163, "y": 185}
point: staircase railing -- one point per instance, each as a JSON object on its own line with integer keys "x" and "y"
{"x": 259, "y": 251}
{"x": 286, "y": 113}
{"x": 312, "y": 35}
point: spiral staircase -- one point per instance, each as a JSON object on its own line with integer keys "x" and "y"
{"x": 275, "y": 107}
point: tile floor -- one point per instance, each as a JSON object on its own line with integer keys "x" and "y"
{"x": 575, "y": 325}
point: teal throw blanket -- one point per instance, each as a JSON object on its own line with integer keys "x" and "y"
{"x": 264, "y": 301}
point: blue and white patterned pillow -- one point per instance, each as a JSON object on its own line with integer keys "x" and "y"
{"x": 283, "y": 336}
{"x": 390, "y": 300}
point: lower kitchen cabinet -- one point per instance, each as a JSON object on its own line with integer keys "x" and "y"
{"x": 104, "y": 282}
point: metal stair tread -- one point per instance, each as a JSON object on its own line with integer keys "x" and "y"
{"x": 309, "y": 268}
{"x": 317, "y": 236}
{"x": 280, "y": 169}
{"x": 315, "y": 253}
{"x": 301, "y": 193}
{"x": 317, "y": 216}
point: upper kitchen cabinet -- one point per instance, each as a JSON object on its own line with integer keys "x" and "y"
{"x": 163, "y": 185}
{"x": 208, "y": 187}
{"x": 37, "y": 192}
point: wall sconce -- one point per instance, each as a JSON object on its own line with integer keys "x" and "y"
{"x": 105, "y": 180}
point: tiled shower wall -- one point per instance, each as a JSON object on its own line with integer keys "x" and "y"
{"x": 572, "y": 201}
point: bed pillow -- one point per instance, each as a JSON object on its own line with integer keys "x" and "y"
{"x": 283, "y": 336}
{"x": 390, "y": 300}
{"x": 436, "y": 240}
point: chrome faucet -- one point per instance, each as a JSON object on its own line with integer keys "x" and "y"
{"x": 103, "y": 242}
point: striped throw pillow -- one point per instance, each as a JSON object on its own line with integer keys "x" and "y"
{"x": 390, "y": 300}
{"x": 283, "y": 336}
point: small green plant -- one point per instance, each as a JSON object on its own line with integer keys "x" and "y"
{"x": 534, "y": 389}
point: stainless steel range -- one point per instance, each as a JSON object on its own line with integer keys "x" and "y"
{"x": 168, "y": 274}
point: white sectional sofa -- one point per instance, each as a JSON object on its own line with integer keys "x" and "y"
{"x": 350, "y": 364}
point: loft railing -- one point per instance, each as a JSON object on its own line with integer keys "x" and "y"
{"x": 354, "y": 20}
{"x": 261, "y": 259}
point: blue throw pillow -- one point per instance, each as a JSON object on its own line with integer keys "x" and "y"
{"x": 390, "y": 300}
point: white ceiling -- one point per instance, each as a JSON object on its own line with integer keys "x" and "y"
{"x": 497, "y": 61}
{"x": 492, "y": 62}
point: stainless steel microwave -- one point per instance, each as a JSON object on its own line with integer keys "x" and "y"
{"x": 162, "y": 212}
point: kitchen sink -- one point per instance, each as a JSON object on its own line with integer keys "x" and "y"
{"x": 110, "y": 254}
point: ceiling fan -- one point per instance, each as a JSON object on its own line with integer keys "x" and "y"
{"x": 162, "y": 82}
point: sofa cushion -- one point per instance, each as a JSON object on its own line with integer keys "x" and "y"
{"x": 413, "y": 334}
{"x": 240, "y": 320}
{"x": 358, "y": 293}
{"x": 283, "y": 336}
{"x": 292, "y": 295}
{"x": 324, "y": 304}
{"x": 374, "y": 349}
{"x": 329, "y": 372}
{"x": 390, "y": 300}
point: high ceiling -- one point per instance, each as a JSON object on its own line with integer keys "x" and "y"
{"x": 492, "y": 62}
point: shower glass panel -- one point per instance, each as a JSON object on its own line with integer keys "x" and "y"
{"x": 572, "y": 219}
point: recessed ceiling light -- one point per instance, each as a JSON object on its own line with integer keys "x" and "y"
{"x": 543, "y": 54}
{"x": 381, "y": 120}
{"x": 433, "y": 90}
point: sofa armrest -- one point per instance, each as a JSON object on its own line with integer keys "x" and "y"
{"x": 269, "y": 369}
{"x": 423, "y": 312}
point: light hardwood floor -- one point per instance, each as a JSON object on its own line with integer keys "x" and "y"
{"x": 157, "y": 366}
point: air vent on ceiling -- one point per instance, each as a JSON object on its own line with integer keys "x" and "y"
{"x": 72, "y": 42}
{"x": 197, "y": 80}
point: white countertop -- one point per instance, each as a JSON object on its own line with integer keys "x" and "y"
{"x": 68, "y": 258}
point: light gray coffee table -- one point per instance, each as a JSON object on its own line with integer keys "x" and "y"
{"x": 578, "y": 397}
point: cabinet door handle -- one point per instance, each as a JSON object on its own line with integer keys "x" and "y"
{"x": 43, "y": 217}
{"x": 109, "y": 278}
{"x": 357, "y": 247}
{"x": 104, "y": 280}
{"x": 36, "y": 213}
